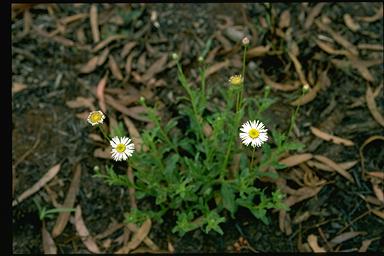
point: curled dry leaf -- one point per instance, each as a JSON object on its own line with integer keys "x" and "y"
{"x": 90, "y": 66}
{"x": 366, "y": 142}
{"x": 81, "y": 102}
{"x": 334, "y": 166}
{"x": 296, "y": 159}
{"x": 69, "y": 202}
{"x": 308, "y": 97}
{"x": 328, "y": 48}
{"x": 107, "y": 41}
{"x": 84, "y": 233}
{"x": 100, "y": 92}
{"x": 38, "y": 185}
{"x": 298, "y": 68}
{"x": 258, "y": 51}
{"x": 137, "y": 238}
{"x": 114, "y": 67}
{"x": 133, "y": 228}
{"x": 372, "y": 106}
{"x": 350, "y": 23}
{"x": 94, "y": 23}
{"x": 312, "y": 241}
{"x": 328, "y": 137}
{"x": 49, "y": 245}
{"x": 378, "y": 15}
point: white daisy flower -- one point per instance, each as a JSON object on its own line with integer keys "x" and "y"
{"x": 254, "y": 133}
{"x": 96, "y": 117}
{"x": 121, "y": 148}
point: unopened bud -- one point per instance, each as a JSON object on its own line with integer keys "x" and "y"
{"x": 306, "y": 88}
{"x": 141, "y": 100}
{"x": 175, "y": 56}
{"x": 245, "y": 41}
{"x": 200, "y": 59}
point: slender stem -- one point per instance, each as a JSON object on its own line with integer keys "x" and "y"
{"x": 104, "y": 134}
{"x": 293, "y": 118}
{"x": 253, "y": 156}
{"x": 243, "y": 76}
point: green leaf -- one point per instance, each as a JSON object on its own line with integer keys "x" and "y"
{"x": 228, "y": 195}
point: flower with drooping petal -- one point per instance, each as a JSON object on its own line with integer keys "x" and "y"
{"x": 236, "y": 80}
{"x": 254, "y": 133}
{"x": 122, "y": 148}
{"x": 96, "y": 117}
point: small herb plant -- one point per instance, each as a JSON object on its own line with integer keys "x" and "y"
{"x": 189, "y": 165}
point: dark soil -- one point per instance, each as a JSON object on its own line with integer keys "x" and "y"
{"x": 50, "y": 71}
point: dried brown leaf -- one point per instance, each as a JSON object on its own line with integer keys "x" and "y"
{"x": 298, "y": 68}
{"x": 373, "y": 18}
{"x": 94, "y": 23}
{"x": 285, "y": 19}
{"x": 328, "y": 137}
{"x": 350, "y": 23}
{"x": 279, "y": 86}
{"x": 296, "y": 159}
{"x": 366, "y": 244}
{"x": 365, "y": 143}
{"x": 216, "y": 67}
{"x": 369, "y": 97}
{"x": 18, "y": 87}
{"x": 107, "y": 41}
{"x": 84, "y": 233}
{"x": 344, "y": 237}
{"x": 379, "y": 175}
{"x": 133, "y": 112}
{"x": 38, "y": 185}
{"x": 334, "y": 166}
{"x": 329, "y": 49}
{"x": 95, "y": 137}
{"x": 308, "y": 97}
{"x": 315, "y": 11}
{"x": 373, "y": 47}
{"x": 338, "y": 38}
{"x": 135, "y": 135}
{"x": 81, "y": 102}
{"x": 378, "y": 192}
{"x": 103, "y": 153}
{"x": 127, "y": 49}
{"x": 128, "y": 64}
{"x": 100, "y": 92}
{"x": 361, "y": 67}
{"x": 137, "y": 238}
{"x": 312, "y": 241}
{"x": 112, "y": 228}
{"x": 378, "y": 213}
{"x": 141, "y": 62}
{"x": 132, "y": 227}
{"x": 156, "y": 67}
{"x": 302, "y": 194}
{"x": 49, "y": 245}
{"x": 102, "y": 57}
{"x": 90, "y": 66}
{"x": 72, "y": 18}
{"x": 69, "y": 202}
{"x": 114, "y": 67}
{"x": 258, "y": 51}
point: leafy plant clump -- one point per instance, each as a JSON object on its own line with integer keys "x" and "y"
{"x": 188, "y": 165}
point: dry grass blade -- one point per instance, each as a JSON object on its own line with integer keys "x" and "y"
{"x": 90, "y": 66}
{"x": 100, "y": 92}
{"x": 298, "y": 68}
{"x": 328, "y": 137}
{"x": 38, "y": 185}
{"x": 338, "y": 38}
{"x": 258, "y": 51}
{"x": 156, "y": 67}
{"x": 69, "y": 202}
{"x": 296, "y": 159}
{"x": 315, "y": 11}
{"x": 84, "y": 233}
{"x": 81, "y": 102}
{"x": 134, "y": 134}
{"x": 344, "y": 237}
{"x": 115, "y": 68}
{"x": 107, "y": 41}
{"x": 49, "y": 245}
{"x": 216, "y": 67}
{"x": 334, "y": 166}
{"x": 131, "y": 112}
{"x": 370, "y": 98}
{"x": 18, "y": 87}
{"x": 137, "y": 238}
{"x": 94, "y": 23}
{"x": 312, "y": 241}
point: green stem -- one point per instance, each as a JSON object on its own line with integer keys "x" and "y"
{"x": 253, "y": 156}
{"x": 243, "y": 76}
{"x": 104, "y": 134}
{"x": 293, "y": 118}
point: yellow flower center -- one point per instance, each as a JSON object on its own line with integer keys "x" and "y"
{"x": 120, "y": 148}
{"x": 96, "y": 117}
{"x": 253, "y": 133}
{"x": 236, "y": 80}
